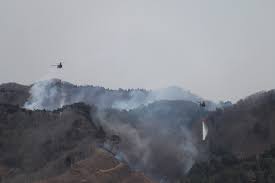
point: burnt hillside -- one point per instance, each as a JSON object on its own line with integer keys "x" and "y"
{"x": 228, "y": 169}
{"x": 13, "y": 93}
{"x": 240, "y": 143}
{"x": 162, "y": 139}
{"x": 37, "y": 145}
{"x": 247, "y": 128}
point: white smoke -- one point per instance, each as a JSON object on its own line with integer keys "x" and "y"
{"x": 41, "y": 96}
{"x": 159, "y": 149}
{"x": 136, "y": 99}
{"x": 54, "y": 93}
{"x": 47, "y": 94}
{"x": 162, "y": 147}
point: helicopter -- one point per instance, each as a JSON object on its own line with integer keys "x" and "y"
{"x": 202, "y": 104}
{"x": 58, "y": 66}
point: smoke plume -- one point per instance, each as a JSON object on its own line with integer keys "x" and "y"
{"x": 54, "y": 93}
{"x": 154, "y": 126}
{"x": 161, "y": 149}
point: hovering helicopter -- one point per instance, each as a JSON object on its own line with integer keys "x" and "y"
{"x": 202, "y": 104}
{"x": 58, "y": 66}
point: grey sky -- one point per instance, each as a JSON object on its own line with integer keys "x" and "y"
{"x": 219, "y": 49}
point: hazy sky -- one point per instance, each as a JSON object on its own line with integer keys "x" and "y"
{"x": 219, "y": 49}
